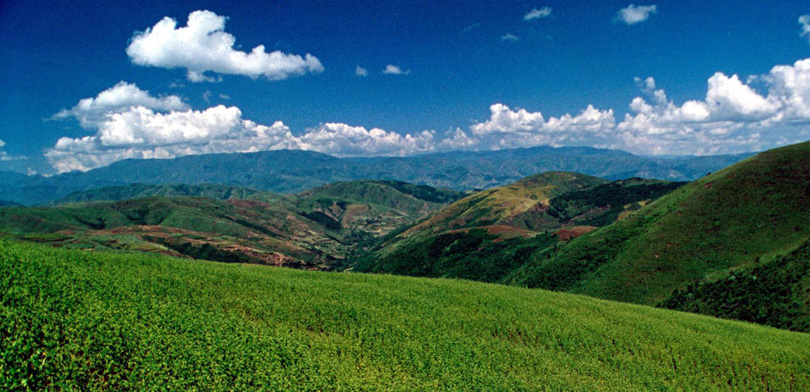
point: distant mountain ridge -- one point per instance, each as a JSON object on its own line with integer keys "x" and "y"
{"x": 290, "y": 171}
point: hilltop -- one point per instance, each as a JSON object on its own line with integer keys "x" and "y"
{"x": 104, "y": 321}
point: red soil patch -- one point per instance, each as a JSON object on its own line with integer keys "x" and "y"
{"x": 573, "y": 232}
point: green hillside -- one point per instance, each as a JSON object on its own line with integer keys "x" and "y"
{"x": 372, "y": 206}
{"x": 75, "y": 320}
{"x": 775, "y": 294}
{"x": 500, "y": 206}
{"x": 489, "y": 234}
{"x": 748, "y": 214}
{"x": 316, "y": 229}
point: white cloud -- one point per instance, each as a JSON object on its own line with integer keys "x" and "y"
{"x": 804, "y": 20}
{"x": 535, "y": 13}
{"x": 732, "y": 118}
{"x": 504, "y": 120}
{"x": 360, "y": 71}
{"x": 509, "y": 37}
{"x": 391, "y": 69}
{"x": 92, "y": 111}
{"x": 346, "y": 140}
{"x": 203, "y": 46}
{"x": 507, "y": 128}
{"x": 789, "y": 89}
{"x": 141, "y": 132}
{"x": 729, "y": 99}
{"x": 633, "y": 14}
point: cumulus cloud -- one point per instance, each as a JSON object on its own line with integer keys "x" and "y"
{"x": 509, "y": 37}
{"x": 93, "y": 111}
{"x": 507, "y": 128}
{"x": 155, "y": 130}
{"x": 535, "y": 13}
{"x": 633, "y": 14}
{"x": 346, "y": 140}
{"x": 391, "y": 69}
{"x": 360, "y": 71}
{"x": 142, "y": 133}
{"x": 804, "y": 20}
{"x": 733, "y": 117}
{"x": 203, "y": 46}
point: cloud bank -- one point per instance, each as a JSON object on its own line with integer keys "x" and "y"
{"x": 203, "y": 46}
{"x": 137, "y": 125}
{"x": 733, "y": 117}
{"x": 633, "y": 14}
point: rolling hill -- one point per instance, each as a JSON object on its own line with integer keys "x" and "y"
{"x": 487, "y": 235}
{"x": 296, "y": 171}
{"x": 316, "y": 229}
{"x": 104, "y": 321}
{"x": 748, "y": 215}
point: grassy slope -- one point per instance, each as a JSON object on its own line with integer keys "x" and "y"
{"x": 267, "y": 229}
{"x": 756, "y": 209}
{"x": 496, "y": 205}
{"x": 522, "y": 219}
{"x": 775, "y": 294}
{"x": 111, "y": 321}
{"x": 375, "y": 206}
{"x": 317, "y": 227}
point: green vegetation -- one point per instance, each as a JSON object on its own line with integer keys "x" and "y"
{"x": 755, "y": 210}
{"x": 500, "y": 206}
{"x": 474, "y": 255}
{"x": 315, "y": 229}
{"x": 77, "y": 320}
{"x": 603, "y": 204}
{"x": 490, "y": 234}
{"x": 775, "y": 294}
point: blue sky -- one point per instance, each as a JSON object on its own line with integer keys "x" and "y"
{"x": 474, "y": 75}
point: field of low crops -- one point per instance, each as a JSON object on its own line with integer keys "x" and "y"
{"x": 78, "y": 320}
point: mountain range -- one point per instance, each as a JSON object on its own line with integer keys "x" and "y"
{"x": 288, "y": 171}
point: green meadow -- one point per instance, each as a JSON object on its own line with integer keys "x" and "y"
{"x": 83, "y": 320}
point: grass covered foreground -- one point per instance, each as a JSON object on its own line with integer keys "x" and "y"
{"x": 90, "y": 320}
